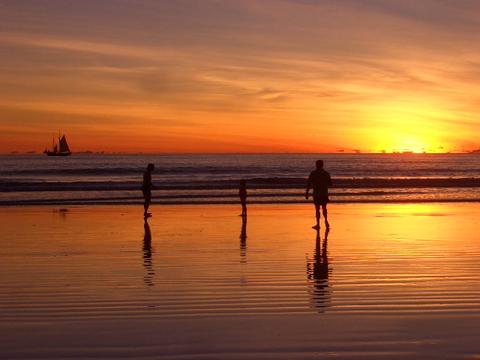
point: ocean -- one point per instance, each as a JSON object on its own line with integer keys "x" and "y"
{"x": 213, "y": 178}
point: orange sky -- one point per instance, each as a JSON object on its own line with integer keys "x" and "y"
{"x": 240, "y": 76}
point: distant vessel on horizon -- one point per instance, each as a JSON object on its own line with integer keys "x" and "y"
{"x": 59, "y": 149}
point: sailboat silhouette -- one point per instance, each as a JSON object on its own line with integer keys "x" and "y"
{"x": 59, "y": 149}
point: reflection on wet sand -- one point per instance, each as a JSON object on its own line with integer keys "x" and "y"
{"x": 243, "y": 241}
{"x": 386, "y": 296}
{"x": 147, "y": 255}
{"x": 62, "y": 212}
{"x": 317, "y": 274}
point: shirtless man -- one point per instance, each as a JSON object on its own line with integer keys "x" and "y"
{"x": 320, "y": 180}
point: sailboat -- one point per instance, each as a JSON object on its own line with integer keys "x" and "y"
{"x": 59, "y": 149}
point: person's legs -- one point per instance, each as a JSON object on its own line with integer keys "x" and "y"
{"x": 317, "y": 215}
{"x": 244, "y": 208}
{"x": 148, "y": 198}
{"x": 325, "y": 214}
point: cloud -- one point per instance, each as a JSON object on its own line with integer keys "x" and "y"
{"x": 85, "y": 46}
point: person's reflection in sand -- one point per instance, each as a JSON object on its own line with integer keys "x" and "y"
{"x": 317, "y": 274}
{"x": 62, "y": 212}
{"x": 243, "y": 241}
{"x": 147, "y": 255}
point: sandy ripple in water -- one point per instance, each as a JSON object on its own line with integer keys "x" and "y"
{"x": 386, "y": 281}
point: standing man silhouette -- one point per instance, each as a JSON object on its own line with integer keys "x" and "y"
{"x": 320, "y": 180}
{"x": 147, "y": 189}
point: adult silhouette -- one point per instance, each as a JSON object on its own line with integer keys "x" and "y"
{"x": 147, "y": 189}
{"x": 320, "y": 180}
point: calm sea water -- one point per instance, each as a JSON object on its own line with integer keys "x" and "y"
{"x": 272, "y": 178}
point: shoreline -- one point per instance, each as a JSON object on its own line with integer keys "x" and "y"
{"x": 32, "y": 203}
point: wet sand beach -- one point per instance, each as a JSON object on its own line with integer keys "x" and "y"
{"x": 93, "y": 282}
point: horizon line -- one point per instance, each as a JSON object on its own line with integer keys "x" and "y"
{"x": 89, "y": 152}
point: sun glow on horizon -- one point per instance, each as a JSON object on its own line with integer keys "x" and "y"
{"x": 410, "y": 125}
{"x": 406, "y": 143}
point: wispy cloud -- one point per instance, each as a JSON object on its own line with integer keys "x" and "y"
{"x": 85, "y": 46}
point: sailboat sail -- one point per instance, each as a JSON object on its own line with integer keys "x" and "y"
{"x": 64, "y": 145}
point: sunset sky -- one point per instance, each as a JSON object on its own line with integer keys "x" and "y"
{"x": 240, "y": 76}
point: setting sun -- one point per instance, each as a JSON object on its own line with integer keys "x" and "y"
{"x": 410, "y": 125}
{"x": 401, "y": 142}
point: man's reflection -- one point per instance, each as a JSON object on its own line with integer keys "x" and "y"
{"x": 147, "y": 255}
{"x": 317, "y": 274}
{"x": 243, "y": 241}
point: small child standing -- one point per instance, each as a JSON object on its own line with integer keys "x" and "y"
{"x": 242, "y": 192}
